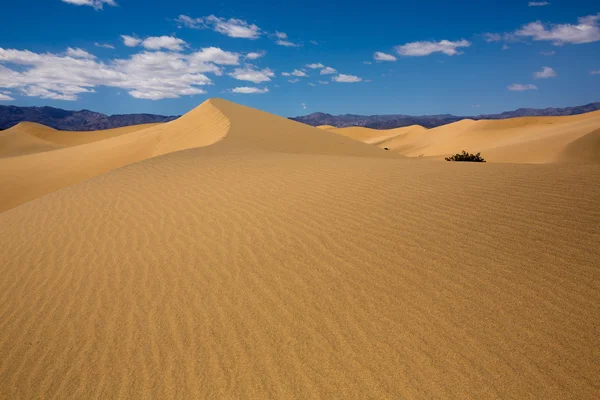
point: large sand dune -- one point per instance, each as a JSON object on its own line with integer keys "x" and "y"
{"x": 242, "y": 255}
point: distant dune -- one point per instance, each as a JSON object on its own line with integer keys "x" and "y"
{"x": 516, "y": 140}
{"x": 235, "y": 254}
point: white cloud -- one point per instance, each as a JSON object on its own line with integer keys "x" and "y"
{"x": 324, "y": 82}
{"x": 586, "y": 31}
{"x": 505, "y": 47}
{"x": 250, "y": 74}
{"x": 163, "y": 42}
{"x": 249, "y": 90}
{"x": 105, "y": 45}
{"x": 217, "y": 56}
{"x": 595, "y": 72}
{"x": 548, "y": 53}
{"x": 311, "y": 84}
{"x": 328, "y": 71}
{"x": 367, "y": 62}
{"x": 538, "y": 3}
{"x": 286, "y": 74}
{"x": 282, "y": 40}
{"x": 148, "y": 75}
{"x": 256, "y": 54}
{"x": 303, "y": 106}
{"x": 517, "y": 87}
{"x": 155, "y": 42}
{"x": 293, "y": 80}
{"x": 189, "y": 22}
{"x": 346, "y": 78}
{"x": 426, "y": 48}
{"x": 233, "y": 27}
{"x": 130, "y": 41}
{"x": 4, "y": 96}
{"x": 546, "y": 72}
{"x": 299, "y": 73}
{"x": 379, "y": 56}
{"x": 314, "y": 42}
{"x": 97, "y": 4}
{"x": 315, "y": 66}
{"x": 475, "y": 106}
{"x": 79, "y": 53}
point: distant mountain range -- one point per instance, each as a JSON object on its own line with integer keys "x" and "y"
{"x": 83, "y": 120}
{"x": 431, "y": 121}
{"x": 86, "y": 120}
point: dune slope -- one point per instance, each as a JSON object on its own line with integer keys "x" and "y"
{"x": 374, "y": 136}
{"x": 274, "y": 264}
{"x": 26, "y": 177}
{"x": 29, "y": 137}
{"x": 518, "y": 140}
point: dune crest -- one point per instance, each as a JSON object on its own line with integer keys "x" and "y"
{"x": 539, "y": 140}
{"x": 38, "y": 160}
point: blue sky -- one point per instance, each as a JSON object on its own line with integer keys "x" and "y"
{"x": 297, "y": 57}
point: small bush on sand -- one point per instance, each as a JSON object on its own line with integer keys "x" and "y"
{"x": 464, "y": 156}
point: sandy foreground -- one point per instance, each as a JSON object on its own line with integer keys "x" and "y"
{"x": 235, "y": 254}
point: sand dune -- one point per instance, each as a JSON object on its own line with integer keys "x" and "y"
{"x": 517, "y": 140}
{"x": 374, "y": 136}
{"x": 26, "y": 177}
{"x": 29, "y": 137}
{"x": 241, "y": 255}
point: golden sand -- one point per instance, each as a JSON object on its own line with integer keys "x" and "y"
{"x": 241, "y": 255}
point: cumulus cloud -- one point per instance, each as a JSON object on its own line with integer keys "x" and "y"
{"x": 294, "y": 80}
{"x": 379, "y": 56}
{"x": 286, "y": 74}
{"x": 256, "y": 54}
{"x": 517, "y": 87}
{"x": 311, "y": 84}
{"x": 426, "y": 48}
{"x": 548, "y": 53}
{"x": 546, "y": 72}
{"x": 130, "y": 41}
{"x": 79, "y": 53}
{"x": 251, "y": 74}
{"x": 315, "y": 66}
{"x": 328, "y": 71}
{"x": 538, "y": 3}
{"x": 233, "y": 27}
{"x": 595, "y": 72}
{"x": 299, "y": 73}
{"x": 346, "y": 78}
{"x": 324, "y": 82}
{"x": 148, "y": 75}
{"x": 97, "y": 4}
{"x": 367, "y": 62}
{"x": 217, "y": 56}
{"x": 303, "y": 106}
{"x": 155, "y": 42}
{"x": 586, "y": 31}
{"x": 249, "y": 90}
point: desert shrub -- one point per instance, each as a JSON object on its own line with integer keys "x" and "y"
{"x": 464, "y": 156}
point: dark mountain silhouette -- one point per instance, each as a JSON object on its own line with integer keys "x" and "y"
{"x": 431, "y": 121}
{"x": 67, "y": 120}
{"x": 86, "y": 120}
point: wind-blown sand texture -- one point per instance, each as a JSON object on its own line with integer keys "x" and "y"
{"x": 283, "y": 261}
